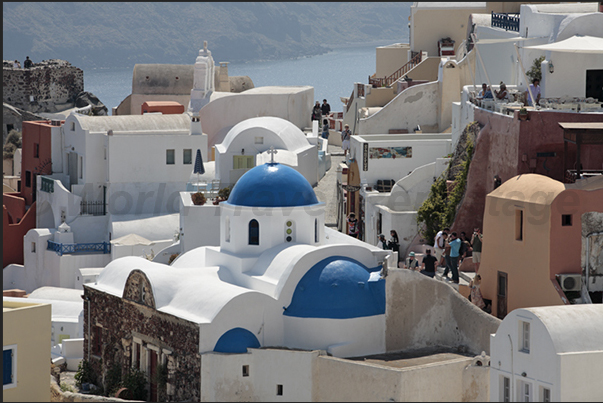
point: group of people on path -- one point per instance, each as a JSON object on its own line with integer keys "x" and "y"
{"x": 26, "y": 64}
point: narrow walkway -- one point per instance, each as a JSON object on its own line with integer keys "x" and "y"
{"x": 326, "y": 190}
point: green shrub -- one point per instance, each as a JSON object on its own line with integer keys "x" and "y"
{"x": 439, "y": 209}
{"x": 136, "y": 381}
{"x": 224, "y": 193}
{"x": 84, "y": 374}
{"x": 535, "y": 71}
{"x": 113, "y": 379}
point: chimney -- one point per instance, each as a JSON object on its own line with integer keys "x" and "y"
{"x": 196, "y": 125}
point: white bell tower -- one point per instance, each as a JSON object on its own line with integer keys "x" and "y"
{"x": 203, "y": 80}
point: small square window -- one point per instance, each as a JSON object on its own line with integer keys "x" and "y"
{"x": 259, "y": 140}
{"x": 170, "y": 157}
{"x": 187, "y": 156}
{"x": 245, "y": 370}
{"x": 33, "y": 247}
{"x": 72, "y": 126}
{"x": 279, "y": 390}
{"x": 566, "y": 220}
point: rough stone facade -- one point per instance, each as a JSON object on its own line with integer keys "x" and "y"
{"x": 52, "y": 83}
{"x": 122, "y": 321}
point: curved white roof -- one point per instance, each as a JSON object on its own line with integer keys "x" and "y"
{"x": 58, "y": 293}
{"x": 572, "y": 328}
{"x": 133, "y": 124}
{"x": 289, "y": 135}
{"x": 195, "y": 294}
{"x": 61, "y": 310}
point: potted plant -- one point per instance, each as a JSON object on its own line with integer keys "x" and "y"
{"x": 198, "y": 199}
{"x": 523, "y": 114}
{"x": 222, "y": 195}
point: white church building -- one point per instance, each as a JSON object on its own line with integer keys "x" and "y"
{"x": 279, "y": 279}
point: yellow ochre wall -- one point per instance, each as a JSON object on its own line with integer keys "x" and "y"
{"x": 28, "y": 326}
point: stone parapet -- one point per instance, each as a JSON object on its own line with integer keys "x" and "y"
{"x": 46, "y": 87}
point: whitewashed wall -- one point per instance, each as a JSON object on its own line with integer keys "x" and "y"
{"x": 222, "y": 380}
{"x": 426, "y": 148}
{"x": 417, "y": 105}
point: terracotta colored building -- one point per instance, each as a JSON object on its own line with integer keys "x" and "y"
{"x": 508, "y": 147}
{"x": 535, "y": 228}
{"x": 19, "y": 209}
{"x": 165, "y": 107}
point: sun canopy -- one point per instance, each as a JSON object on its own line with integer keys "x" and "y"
{"x": 574, "y": 44}
{"x": 132, "y": 239}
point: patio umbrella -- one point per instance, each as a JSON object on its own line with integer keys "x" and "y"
{"x": 199, "y": 169}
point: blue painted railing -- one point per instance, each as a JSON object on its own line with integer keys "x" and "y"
{"x": 66, "y": 248}
{"x": 508, "y": 22}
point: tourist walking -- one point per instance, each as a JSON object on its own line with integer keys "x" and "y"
{"x": 455, "y": 246}
{"x": 316, "y": 112}
{"x": 325, "y": 108}
{"x": 428, "y": 264}
{"x": 345, "y": 140}
{"x": 353, "y": 225}
{"x": 476, "y": 244}
{"x": 325, "y": 129}
{"x": 440, "y": 240}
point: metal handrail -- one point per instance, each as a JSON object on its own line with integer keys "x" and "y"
{"x": 380, "y": 82}
{"x": 69, "y": 248}
{"x": 509, "y": 22}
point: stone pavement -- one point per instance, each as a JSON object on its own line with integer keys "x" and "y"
{"x": 326, "y": 190}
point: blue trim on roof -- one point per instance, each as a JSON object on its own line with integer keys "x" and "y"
{"x": 272, "y": 185}
{"x": 236, "y": 340}
{"x": 338, "y": 287}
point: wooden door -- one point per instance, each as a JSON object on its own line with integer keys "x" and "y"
{"x": 153, "y": 375}
{"x": 502, "y": 292}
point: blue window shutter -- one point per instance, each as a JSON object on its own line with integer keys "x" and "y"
{"x": 7, "y": 367}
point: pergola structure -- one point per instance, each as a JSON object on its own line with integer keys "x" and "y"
{"x": 580, "y": 133}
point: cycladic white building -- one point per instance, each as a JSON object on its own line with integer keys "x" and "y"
{"x": 548, "y": 354}
{"x": 249, "y": 143}
{"x": 279, "y": 291}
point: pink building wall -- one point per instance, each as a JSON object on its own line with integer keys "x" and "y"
{"x": 508, "y": 147}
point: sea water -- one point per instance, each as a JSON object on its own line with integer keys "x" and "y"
{"x": 332, "y": 75}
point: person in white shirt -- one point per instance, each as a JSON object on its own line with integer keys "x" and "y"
{"x": 535, "y": 90}
{"x": 440, "y": 239}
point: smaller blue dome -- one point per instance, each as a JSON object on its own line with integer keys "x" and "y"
{"x": 338, "y": 287}
{"x": 236, "y": 340}
{"x": 272, "y": 185}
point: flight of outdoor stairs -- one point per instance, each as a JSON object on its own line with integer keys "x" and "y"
{"x": 465, "y": 277}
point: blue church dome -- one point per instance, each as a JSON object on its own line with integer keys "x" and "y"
{"x": 236, "y": 340}
{"x": 338, "y": 287}
{"x": 272, "y": 185}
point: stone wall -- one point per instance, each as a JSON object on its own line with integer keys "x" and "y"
{"x": 52, "y": 83}
{"x": 122, "y": 320}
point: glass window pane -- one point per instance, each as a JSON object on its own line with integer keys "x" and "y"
{"x": 170, "y": 157}
{"x": 187, "y": 156}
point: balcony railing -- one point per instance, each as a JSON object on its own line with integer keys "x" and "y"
{"x": 69, "y": 248}
{"x": 93, "y": 208}
{"x": 47, "y": 185}
{"x": 508, "y": 22}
